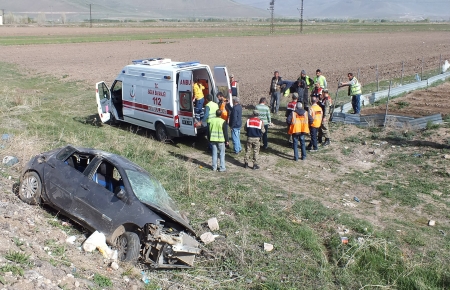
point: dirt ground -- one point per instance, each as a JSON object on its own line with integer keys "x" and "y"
{"x": 417, "y": 104}
{"x": 251, "y": 59}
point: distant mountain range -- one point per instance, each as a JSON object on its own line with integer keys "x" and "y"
{"x": 359, "y": 9}
{"x": 146, "y": 9}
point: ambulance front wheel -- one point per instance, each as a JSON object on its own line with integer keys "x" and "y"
{"x": 161, "y": 132}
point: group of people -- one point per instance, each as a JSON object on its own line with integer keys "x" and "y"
{"x": 307, "y": 114}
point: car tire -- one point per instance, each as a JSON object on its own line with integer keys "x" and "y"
{"x": 30, "y": 188}
{"x": 161, "y": 132}
{"x": 128, "y": 247}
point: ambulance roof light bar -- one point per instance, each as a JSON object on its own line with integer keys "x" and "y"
{"x": 152, "y": 61}
{"x": 187, "y": 64}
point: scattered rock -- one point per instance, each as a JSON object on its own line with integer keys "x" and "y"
{"x": 437, "y": 193}
{"x": 71, "y": 239}
{"x": 126, "y": 279}
{"x": 10, "y": 160}
{"x": 114, "y": 266}
{"x": 31, "y": 275}
{"x": 208, "y": 237}
{"x": 134, "y": 287}
{"x": 364, "y": 142}
{"x": 375, "y": 201}
{"x": 6, "y": 137}
{"x": 431, "y": 223}
{"x": 268, "y": 247}
{"x": 446, "y": 156}
{"x": 213, "y": 224}
{"x": 375, "y": 152}
{"x": 77, "y": 284}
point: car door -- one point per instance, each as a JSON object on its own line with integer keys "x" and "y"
{"x": 222, "y": 81}
{"x": 185, "y": 104}
{"x": 103, "y": 98}
{"x": 95, "y": 204}
{"x": 61, "y": 182}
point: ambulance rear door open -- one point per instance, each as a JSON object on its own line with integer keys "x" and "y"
{"x": 103, "y": 97}
{"x": 222, "y": 81}
{"x": 185, "y": 104}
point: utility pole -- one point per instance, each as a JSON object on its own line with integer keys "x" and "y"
{"x": 90, "y": 14}
{"x": 301, "y": 18}
{"x": 272, "y": 8}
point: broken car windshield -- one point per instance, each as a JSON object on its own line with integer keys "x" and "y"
{"x": 148, "y": 190}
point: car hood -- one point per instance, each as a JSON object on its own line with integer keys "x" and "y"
{"x": 174, "y": 216}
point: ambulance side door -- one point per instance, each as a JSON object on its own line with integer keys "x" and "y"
{"x": 185, "y": 104}
{"x": 103, "y": 98}
{"x": 222, "y": 81}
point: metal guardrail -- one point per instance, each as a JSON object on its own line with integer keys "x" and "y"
{"x": 392, "y": 120}
{"x": 375, "y": 96}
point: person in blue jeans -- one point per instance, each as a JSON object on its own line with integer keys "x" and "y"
{"x": 235, "y": 125}
{"x": 275, "y": 92}
{"x": 218, "y": 136}
{"x": 355, "y": 91}
{"x": 264, "y": 115}
{"x": 299, "y": 121}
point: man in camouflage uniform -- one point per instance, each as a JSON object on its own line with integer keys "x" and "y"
{"x": 255, "y": 129}
{"x": 325, "y": 104}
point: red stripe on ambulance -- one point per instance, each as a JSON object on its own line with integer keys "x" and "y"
{"x": 147, "y": 109}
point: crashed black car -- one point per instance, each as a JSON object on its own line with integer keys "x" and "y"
{"x": 108, "y": 193}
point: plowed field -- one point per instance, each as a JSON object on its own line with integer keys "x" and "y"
{"x": 251, "y": 59}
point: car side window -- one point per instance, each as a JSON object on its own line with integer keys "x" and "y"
{"x": 79, "y": 161}
{"x": 108, "y": 177}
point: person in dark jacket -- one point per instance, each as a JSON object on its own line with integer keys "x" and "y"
{"x": 235, "y": 125}
{"x": 299, "y": 122}
{"x": 255, "y": 130}
{"x": 275, "y": 92}
{"x": 308, "y": 84}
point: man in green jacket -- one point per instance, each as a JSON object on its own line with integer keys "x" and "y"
{"x": 264, "y": 115}
{"x": 354, "y": 91}
{"x": 217, "y": 137}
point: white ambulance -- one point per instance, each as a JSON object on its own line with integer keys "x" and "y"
{"x": 157, "y": 93}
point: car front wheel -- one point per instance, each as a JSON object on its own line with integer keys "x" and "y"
{"x": 30, "y": 188}
{"x": 128, "y": 247}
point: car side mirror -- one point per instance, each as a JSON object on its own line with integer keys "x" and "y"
{"x": 121, "y": 194}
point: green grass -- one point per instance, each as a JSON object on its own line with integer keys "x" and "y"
{"x": 18, "y": 257}
{"x": 202, "y": 30}
{"x": 102, "y": 281}
{"x": 287, "y": 211}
